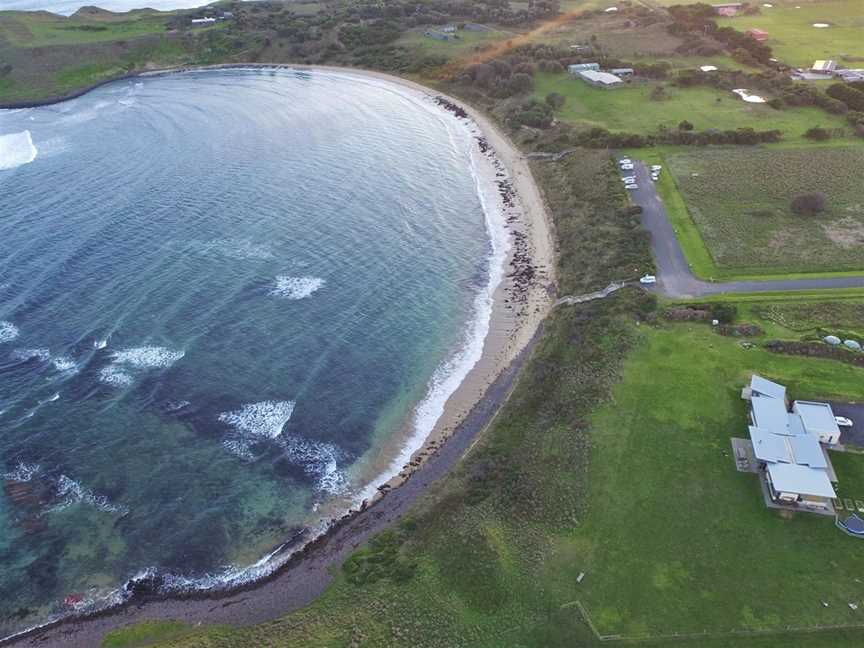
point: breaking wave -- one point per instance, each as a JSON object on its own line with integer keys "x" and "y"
{"x": 16, "y": 150}
{"x": 126, "y": 361}
{"x": 23, "y": 472}
{"x": 296, "y": 287}
{"x": 71, "y": 492}
{"x": 8, "y": 331}
{"x": 64, "y": 365}
{"x": 42, "y": 355}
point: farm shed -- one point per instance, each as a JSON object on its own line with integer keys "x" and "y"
{"x": 576, "y": 68}
{"x": 824, "y": 67}
{"x": 601, "y": 79}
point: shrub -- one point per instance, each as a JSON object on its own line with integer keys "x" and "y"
{"x": 817, "y": 134}
{"x": 658, "y": 93}
{"x": 555, "y": 100}
{"x": 808, "y": 204}
{"x": 685, "y": 126}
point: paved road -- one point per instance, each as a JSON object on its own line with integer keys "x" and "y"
{"x": 673, "y": 272}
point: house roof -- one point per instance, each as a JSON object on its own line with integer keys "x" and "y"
{"x": 600, "y": 77}
{"x": 825, "y": 66}
{"x": 803, "y": 480}
{"x": 817, "y": 417}
{"x": 766, "y": 387}
{"x": 770, "y": 414}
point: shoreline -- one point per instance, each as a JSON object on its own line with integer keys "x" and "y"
{"x": 520, "y": 303}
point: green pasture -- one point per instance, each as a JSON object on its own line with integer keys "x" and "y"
{"x": 631, "y": 109}
{"x": 677, "y": 540}
{"x": 730, "y": 209}
{"x": 42, "y": 29}
{"x": 796, "y": 42}
{"x": 467, "y": 42}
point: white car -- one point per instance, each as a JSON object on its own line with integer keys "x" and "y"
{"x": 656, "y": 168}
{"x": 655, "y": 178}
{"x": 648, "y": 279}
{"x": 627, "y": 167}
{"x": 629, "y": 179}
{"x": 625, "y": 161}
{"x": 843, "y": 421}
{"x": 631, "y": 187}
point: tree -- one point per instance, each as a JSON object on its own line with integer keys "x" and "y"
{"x": 685, "y": 126}
{"x": 658, "y": 93}
{"x": 808, "y": 204}
{"x": 555, "y": 100}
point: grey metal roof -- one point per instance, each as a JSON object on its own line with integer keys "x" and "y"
{"x": 791, "y": 478}
{"x": 766, "y": 387}
{"x": 806, "y": 451}
{"x": 769, "y": 447}
{"x": 796, "y": 425}
{"x": 817, "y": 417}
{"x": 770, "y": 414}
{"x": 600, "y": 77}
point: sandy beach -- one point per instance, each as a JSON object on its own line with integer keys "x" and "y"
{"x": 520, "y": 303}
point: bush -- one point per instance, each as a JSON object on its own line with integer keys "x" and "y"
{"x": 685, "y": 126}
{"x": 817, "y": 134}
{"x": 808, "y": 204}
{"x": 555, "y": 100}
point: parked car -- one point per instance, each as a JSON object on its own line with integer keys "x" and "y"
{"x": 627, "y": 167}
{"x": 629, "y": 179}
{"x": 656, "y": 168}
{"x": 631, "y": 187}
{"x": 648, "y": 279}
{"x": 655, "y": 178}
{"x": 625, "y": 161}
{"x": 843, "y": 421}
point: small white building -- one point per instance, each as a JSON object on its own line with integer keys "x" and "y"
{"x": 818, "y": 420}
{"x": 203, "y": 21}
{"x": 601, "y": 79}
{"x": 824, "y": 67}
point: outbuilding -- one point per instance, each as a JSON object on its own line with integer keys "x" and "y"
{"x": 824, "y": 67}
{"x": 601, "y": 79}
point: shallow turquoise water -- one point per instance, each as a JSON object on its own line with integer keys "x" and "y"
{"x": 217, "y": 290}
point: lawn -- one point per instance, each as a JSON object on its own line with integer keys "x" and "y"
{"x": 631, "y": 109}
{"x": 41, "y": 29}
{"x": 796, "y": 42}
{"x": 676, "y": 540}
{"x": 739, "y": 201}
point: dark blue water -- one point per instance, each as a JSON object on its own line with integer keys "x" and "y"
{"x": 221, "y": 296}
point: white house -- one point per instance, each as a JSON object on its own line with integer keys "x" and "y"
{"x": 818, "y": 420}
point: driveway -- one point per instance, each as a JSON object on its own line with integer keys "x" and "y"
{"x": 674, "y": 277}
{"x": 855, "y": 413}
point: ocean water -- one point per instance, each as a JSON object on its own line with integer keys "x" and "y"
{"x": 68, "y": 7}
{"x": 226, "y": 298}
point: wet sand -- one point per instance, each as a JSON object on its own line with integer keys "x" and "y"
{"x": 521, "y": 302}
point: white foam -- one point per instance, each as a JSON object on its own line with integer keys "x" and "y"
{"x": 8, "y": 331}
{"x": 296, "y": 287}
{"x": 115, "y": 377}
{"x": 55, "y": 397}
{"x": 147, "y": 357}
{"x": 16, "y": 150}
{"x": 318, "y": 460}
{"x": 23, "y": 472}
{"x": 31, "y": 354}
{"x": 255, "y": 422}
{"x": 100, "y": 344}
{"x": 71, "y": 492}
{"x": 65, "y": 365}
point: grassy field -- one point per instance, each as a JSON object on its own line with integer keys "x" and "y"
{"x": 795, "y": 41}
{"x": 43, "y": 29}
{"x": 631, "y": 109}
{"x": 739, "y": 201}
{"x": 683, "y": 542}
{"x": 467, "y": 43}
